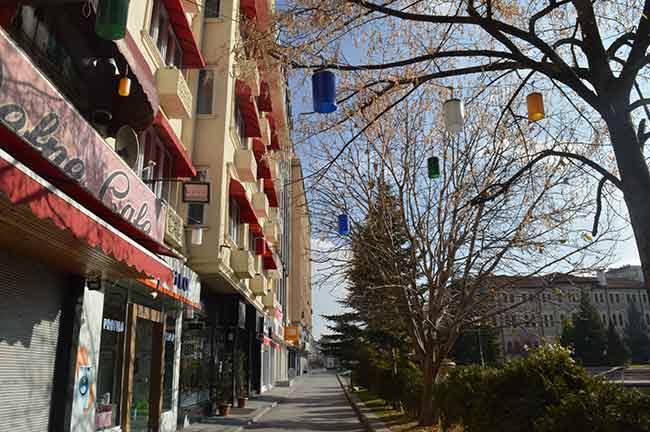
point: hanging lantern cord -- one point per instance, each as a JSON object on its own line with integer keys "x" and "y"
{"x": 86, "y": 9}
{"x": 126, "y": 71}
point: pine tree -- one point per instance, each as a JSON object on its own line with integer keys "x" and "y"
{"x": 467, "y": 349}
{"x": 636, "y": 335}
{"x": 586, "y": 334}
{"x": 617, "y": 352}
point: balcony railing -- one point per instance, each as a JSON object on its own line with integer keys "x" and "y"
{"x": 174, "y": 93}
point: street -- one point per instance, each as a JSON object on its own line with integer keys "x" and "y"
{"x": 317, "y": 404}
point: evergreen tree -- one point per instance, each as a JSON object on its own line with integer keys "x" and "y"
{"x": 617, "y": 353}
{"x": 586, "y": 334}
{"x": 467, "y": 349}
{"x": 636, "y": 335}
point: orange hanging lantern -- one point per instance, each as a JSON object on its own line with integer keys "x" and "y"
{"x": 124, "y": 88}
{"x": 535, "y": 102}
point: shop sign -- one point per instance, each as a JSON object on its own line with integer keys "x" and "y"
{"x": 292, "y": 334}
{"x": 33, "y": 109}
{"x": 113, "y": 325}
{"x": 196, "y": 192}
{"x": 186, "y": 282}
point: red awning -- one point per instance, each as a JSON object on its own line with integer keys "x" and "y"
{"x": 264, "y": 102}
{"x": 25, "y": 188}
{"x": 246, "y": 211}
{"x": 248, "y": 109}
{"x": 182, "y": 164}
{"x": 192, "y": 58}
{"x": 248, "y": 8}
{"x": 269, "y": 190}
{"x": 275, "y": 143}
{"x": 259, "y": 149}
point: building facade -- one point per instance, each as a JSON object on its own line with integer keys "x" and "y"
{"x": 93, "y": 254}
{"x": 535, "y": 308}
{"x": 299, "y": 331}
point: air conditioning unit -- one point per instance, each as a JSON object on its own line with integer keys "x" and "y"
{"x": 259, "y": 285}
{"x": 246, "y": 165}
{"x": 261, "y": 204}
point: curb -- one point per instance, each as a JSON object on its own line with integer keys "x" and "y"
{"x": 372, "y": 423}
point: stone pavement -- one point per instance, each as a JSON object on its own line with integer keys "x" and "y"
{"x": 315, "y": 403}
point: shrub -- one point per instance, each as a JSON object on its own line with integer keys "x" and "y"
{"x": 545, "y": 392}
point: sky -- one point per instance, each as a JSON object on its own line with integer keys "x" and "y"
{"x": 324, "y": 298}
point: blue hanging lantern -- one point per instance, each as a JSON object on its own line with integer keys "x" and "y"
{"x": 344, "y": 224}
{"x": 323, "y": 86}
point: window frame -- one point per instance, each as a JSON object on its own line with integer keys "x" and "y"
{"x": 213, "y": 96}
{"x": 234, "y": 222}
{"x": 206, "y": 9}
{"x": 163, "y": 34}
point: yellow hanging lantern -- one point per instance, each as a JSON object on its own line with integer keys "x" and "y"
{"x": 535, "y": 102}
{"x": 124, "y": 89}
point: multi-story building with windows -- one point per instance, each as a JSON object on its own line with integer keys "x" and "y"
{"x": 535, "y": 308}
{"x": 93, "y": 110}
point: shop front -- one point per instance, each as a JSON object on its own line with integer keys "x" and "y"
{"x": 73, "y": 220}
{"x": 140, "y": 349}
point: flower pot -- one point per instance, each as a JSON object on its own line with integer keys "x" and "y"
{"x": 241, "y": 402}
{"x": 224, "y": 410}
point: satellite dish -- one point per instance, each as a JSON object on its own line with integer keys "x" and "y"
{"x": 127, "y": 145}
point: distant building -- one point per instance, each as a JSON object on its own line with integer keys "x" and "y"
{"x": 632, "y": 272}
{"x": 535, "y": 308}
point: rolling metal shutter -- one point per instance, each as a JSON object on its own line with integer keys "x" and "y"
{"x": 30, "y": 310}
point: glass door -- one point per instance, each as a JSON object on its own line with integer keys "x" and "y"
{"x": 142, "y": 376}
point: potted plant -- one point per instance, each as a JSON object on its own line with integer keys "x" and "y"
{"x": 223, "y": 391}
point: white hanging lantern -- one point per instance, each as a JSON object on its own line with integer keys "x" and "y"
{"x": 454, "y": 115}
{"x": 197, "y": 236}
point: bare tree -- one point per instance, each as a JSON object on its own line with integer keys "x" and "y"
{"x": 456, "y": 247}
{"x": 590, "y": 59}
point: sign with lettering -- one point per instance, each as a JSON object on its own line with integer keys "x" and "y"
{"x": 33, "y": 109}
{"x": 186, "y": 281}
{"x": 196, "y": 192}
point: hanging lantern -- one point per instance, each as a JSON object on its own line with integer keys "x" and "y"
{"x": 111, "y": 19}
{"x": 124, "y": 88}
{"x": 433, "y": 166}
{"x": 344, "y": 224}
{"x": 535, "y": 103}
{"x": 453, "y": 112}
{"x": 197, "y": 236}
{"x": 323, "y": 86}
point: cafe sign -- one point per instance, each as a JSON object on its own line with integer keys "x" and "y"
{"x": 33, "y": 109}
{"x": 186, "y": 282}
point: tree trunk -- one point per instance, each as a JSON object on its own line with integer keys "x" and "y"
{"x": 427, "y": 417}
{"x": 635, "y": 177}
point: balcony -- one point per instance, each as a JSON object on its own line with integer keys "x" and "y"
{"x": 246, "y": 165}
{"x": 241, "y": 262}
{"x": 261, "y": 204}
{"x": 269, "y": 300}
{"x": 273, "y": 168}
{"x": 246, "y": 70}
{"x": 174, "y": 230}
{"x": 259, "y": 285}
{"x": 271, "y": 231}
{"x": 265, "y": 131}
{"x": 173, "y": 92}
{"x": 192, "y": 6}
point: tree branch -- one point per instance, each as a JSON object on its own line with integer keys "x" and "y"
{"x": 485, "y": 195}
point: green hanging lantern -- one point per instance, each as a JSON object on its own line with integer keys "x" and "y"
{"x": 433, "y": 166}
{"x": 111, "y": 19}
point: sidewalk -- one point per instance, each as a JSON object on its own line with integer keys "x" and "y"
{"x": 256, "y": 407}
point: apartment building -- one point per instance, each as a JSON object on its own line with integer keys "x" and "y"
{"x": 299, "y": 331}
{"x": 535, "y": 308}
{"x": 92, "y": 265}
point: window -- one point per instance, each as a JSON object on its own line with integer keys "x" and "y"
{"x": 238, "y": 121}
{"x": 195, "y": 214}
{"x": 509, "y": 349}
{"x": 633, "y": 298}
{"x": 611, "y": 298}
{"x": 205, "y": 92}
{"x": 596, "y": 298}
{"x": 602, "y": 300}
{"x": 170, "y": 353}
{"x": 620, "y": 319}
{"x": 157, "y": 164}
{"x": 552, "y": 319}
{"x": 233, "y": 221}
{"x": 628, "y": 298}
{"x": 647, "y": 319}
{"x": 212, "y": 8}
{"x": 109, "y": 377}
{"x": 618, "y": 298}
{"x": 512, "y": 298}
{"x": 161, "y": 31}
{"x": 645, "y": 299}
{"x": 604, "y": 319}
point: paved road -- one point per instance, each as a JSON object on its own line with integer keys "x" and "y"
{"x": 318, "y": 404}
